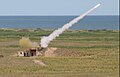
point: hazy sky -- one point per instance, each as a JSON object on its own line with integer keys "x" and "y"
{"x": 57, "y": 7}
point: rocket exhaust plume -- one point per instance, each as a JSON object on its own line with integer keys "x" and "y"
{"x": 46, "y": 40}
{"x": 27, "y": 43}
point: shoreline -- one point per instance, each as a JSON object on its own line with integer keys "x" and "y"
{"x": 55, "y": 29}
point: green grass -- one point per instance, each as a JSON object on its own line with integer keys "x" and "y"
{"x": 80, "y": 54}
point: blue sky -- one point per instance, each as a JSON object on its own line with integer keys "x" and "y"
{"x": 57, "y": 7}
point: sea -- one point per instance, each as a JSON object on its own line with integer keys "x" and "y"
{"x": 110, "y": 22}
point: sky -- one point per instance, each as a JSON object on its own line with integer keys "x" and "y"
{"x": 57, "y": 7}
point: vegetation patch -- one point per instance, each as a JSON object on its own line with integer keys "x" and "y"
{"x": 79, "y": 54}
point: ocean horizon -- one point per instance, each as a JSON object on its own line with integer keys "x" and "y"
{"x": 108, "y": 22}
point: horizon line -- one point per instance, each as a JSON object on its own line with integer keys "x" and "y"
{"x": 57, "y": 15}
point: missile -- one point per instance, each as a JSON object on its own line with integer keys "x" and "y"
{"x": 90, "y": 10}
{"x": 46, "y": 40}
{"x": 83, "y": 15}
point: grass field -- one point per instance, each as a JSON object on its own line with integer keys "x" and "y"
{"x": 80, "y": 54}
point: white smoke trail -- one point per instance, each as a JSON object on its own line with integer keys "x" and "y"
{"x": 46, "y": 40}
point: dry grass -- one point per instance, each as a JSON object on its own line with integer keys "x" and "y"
{"x": 79, "y": 54}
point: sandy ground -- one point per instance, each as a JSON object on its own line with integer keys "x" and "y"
{"x": 39, "y": 62}
{"x": 50, "y": 52}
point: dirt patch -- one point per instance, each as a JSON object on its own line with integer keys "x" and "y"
{"x": 39, "y": 62}
{"x": 50, "y": 52}
{"x": 67, "y": 52}
{"x": 59, "y": 52}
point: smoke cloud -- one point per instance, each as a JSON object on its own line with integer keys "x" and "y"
{"x": 46, "y": 40}
{"x": 27, "y": 43}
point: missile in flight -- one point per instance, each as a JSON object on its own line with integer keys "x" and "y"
{"x": 47, "y": 39}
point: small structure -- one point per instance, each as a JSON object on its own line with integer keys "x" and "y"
{"x": 30, "y": 52}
